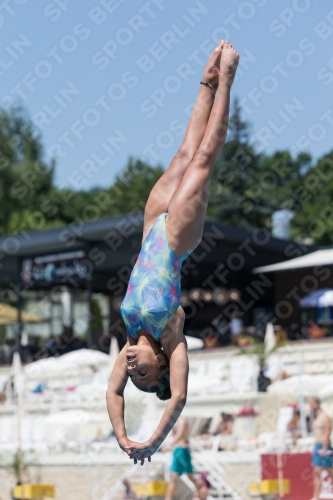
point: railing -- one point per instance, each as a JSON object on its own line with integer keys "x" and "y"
{"x": 215, "y": 471}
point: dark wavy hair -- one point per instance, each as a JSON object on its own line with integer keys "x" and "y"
{"x": 162, "y": 386}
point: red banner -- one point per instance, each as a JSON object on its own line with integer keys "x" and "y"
{"x": 297, "y": 468}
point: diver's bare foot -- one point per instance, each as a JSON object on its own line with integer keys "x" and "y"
{"x": 228, "y": 64}
{"x": 212, "y": 69}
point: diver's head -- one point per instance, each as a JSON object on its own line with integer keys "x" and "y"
{"x": 148, "y": 368}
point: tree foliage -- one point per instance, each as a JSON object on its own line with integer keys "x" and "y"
{"x": 247, "y": 187}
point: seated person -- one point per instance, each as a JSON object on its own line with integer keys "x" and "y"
{"x": 223, "y": 428}
{"x": 225, "y": 425}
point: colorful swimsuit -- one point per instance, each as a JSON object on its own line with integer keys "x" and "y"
{"x": 153, "y": 293}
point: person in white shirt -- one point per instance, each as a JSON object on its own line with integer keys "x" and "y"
{"x": 236, "y": 328}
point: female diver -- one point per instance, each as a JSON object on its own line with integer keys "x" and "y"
{"x": 155, "y": 356}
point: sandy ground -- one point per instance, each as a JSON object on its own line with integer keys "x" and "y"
{"x": 92, "y": 482}
{"x": 72, "y": 483}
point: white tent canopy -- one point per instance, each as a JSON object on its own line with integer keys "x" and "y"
{"x": 318, "y": 258}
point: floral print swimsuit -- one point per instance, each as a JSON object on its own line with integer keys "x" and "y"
{"x": 153, "y": 293}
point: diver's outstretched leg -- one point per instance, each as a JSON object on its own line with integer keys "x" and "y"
{"x": 166, "y": 187}
{"x": 187, "y": 209}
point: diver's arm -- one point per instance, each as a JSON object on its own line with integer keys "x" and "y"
{"x": 115, "y": 397}
{"x": 178, "y": 386}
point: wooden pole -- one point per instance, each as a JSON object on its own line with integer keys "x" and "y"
{"x": 280, "y": 474}
{"x": 19, "y": 447}
{"x": 18, "y": 390}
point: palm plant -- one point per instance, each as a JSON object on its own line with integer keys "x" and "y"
{"x": 259, "y": 349}
{"x": 13, "y": 466}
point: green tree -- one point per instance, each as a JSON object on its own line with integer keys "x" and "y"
{"x": 132, "y": 187}
{"x": 248, "y": 187}
{"x": 29, "y": 198}
{"x": 234, "y": 195}
{"x": 25, "y": 179}
{"x": 129, "y": 192}
{"x": 314, "y": 208}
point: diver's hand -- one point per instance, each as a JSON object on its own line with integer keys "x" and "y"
{"x": 141, "y": 451}
{"x": 125, "y": 443}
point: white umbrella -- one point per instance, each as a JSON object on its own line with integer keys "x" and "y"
{"x": 76, "y": 359}
{"x": 46, "y": 365}
{"x": 114, "y": 352}
{"x": 67, "y": 307}
{"x": 73, "y": 417}
{"x": 16, "y": 369}
{"x": 310, "y": 384}
{"x": 76, "y": 424}
{"x": 326, "y": 392}
{"x": 194, "y": 343}
{"x": 269, "y": 338}
{"x": 84, "y": 357}
{"x": 19, "y": 387}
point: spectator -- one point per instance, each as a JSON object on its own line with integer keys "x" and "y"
{"x": 51, "y": 346}
{"x": 236, "y": 328}
{"x": 225, "y": 425}
{"x": 263, "y": 381}
{"x": 182, "y": 462}
{"x": 322, "y": 457}
{"x": 294, "y": 426}
{"x": 223, "y": 428}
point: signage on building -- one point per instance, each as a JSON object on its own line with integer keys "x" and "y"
{"x": 56, "y": 268}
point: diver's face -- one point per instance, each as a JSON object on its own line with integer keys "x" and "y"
{"x": 143, "y": 365}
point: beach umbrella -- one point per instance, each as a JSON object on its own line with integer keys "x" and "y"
{"x": 43, "y": 367}
{"x": 326, "y": 392}
{"x": 73, "y": 417}
{"x": 194, "y": 343}
{"x": 76, "y": 424}
{"x": 84, "y": 357}
{"x": 310, "y": 385}
{"x": 67, "y": 307}
{"x": 114, "y": 352}
{"x": 9, "y": 315}
{"x": 319, "y": 298}
{"x": 75, "y": 359}
{"x": 269, "y": 338}
{"x": 18, "y": 384}
{"x": 16, "y": 369}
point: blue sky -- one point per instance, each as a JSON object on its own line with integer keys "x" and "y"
{"x": 111, "y": 79}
